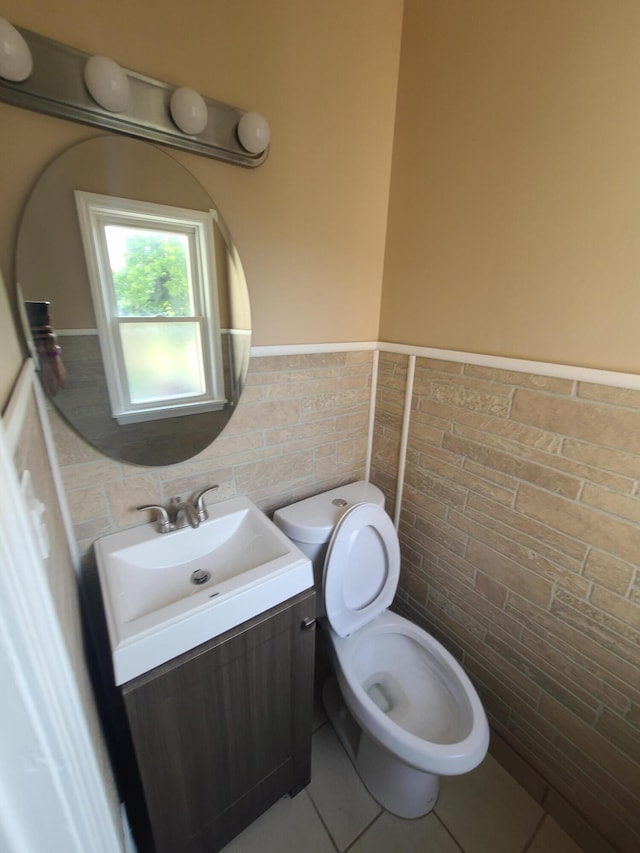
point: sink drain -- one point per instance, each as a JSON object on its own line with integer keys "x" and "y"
{"x": 200, "y": 576}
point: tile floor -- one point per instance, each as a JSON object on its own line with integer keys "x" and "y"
{"x": 485, "y": 811}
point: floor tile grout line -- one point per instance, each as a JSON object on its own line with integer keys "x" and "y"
{"x": 320, "y": 725}
{"x": 325, "y": 722}
{"x": 365, "y": 830}
{"x": 447, "y": 830}
{"x": 535, "y": 832}
{"x": 322, "y": 821}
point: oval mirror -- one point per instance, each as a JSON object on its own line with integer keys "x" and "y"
{"x": 136, "y": 306}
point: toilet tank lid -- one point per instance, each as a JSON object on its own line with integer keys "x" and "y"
{"x": 313, "y": 520}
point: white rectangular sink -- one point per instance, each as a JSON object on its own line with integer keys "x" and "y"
{"x": 155, "y": 611}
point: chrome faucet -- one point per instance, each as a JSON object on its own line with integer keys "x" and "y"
{"x": 181, "y": 513}
{"x": 184, "y": 509}
{"x": 201, "y": 507}
{"x": 164, "y": 522}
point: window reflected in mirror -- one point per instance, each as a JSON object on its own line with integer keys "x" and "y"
{"x": 155, "y": 298}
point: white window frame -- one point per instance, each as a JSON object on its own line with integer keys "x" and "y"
{"x": 95, "y": 212}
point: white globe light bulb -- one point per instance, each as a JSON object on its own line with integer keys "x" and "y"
{"x": 16, "y": 63}
{"x": 254, "y": 133}
{"x": 107, "y": 83}
{"x": 189, "y": 110}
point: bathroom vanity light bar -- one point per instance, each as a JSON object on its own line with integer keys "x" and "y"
{"x": 39, "y": 74}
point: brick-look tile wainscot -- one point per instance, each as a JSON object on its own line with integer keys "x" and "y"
{"x": 520, "y": 533}
{"x": 300, "y": 427}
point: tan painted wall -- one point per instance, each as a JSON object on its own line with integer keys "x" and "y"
{"x": 513, "y": 223}
{"x": 310, "y": 223}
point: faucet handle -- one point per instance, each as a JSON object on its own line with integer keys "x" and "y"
{"x": 164, "y": 522}
{"x": 200, "y": 505}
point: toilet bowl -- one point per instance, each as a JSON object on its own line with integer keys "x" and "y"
{"x": 402, "y": 706}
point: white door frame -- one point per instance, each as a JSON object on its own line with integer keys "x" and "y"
{"x": 52, "y": 794}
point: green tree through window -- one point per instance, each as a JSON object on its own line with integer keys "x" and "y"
{"x": 154, "y": 280}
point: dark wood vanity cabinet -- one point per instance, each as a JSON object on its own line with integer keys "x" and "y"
{"x": 223, "y": 731}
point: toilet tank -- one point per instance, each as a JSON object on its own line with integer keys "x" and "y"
{"x": 309, "y": 523}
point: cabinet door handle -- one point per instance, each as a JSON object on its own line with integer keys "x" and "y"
{"x": 308, "y": 623}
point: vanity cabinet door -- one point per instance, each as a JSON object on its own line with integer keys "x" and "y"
{"x": 223, "y": 731}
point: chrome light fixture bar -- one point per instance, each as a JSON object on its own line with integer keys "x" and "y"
{"x": 58, "y": 85}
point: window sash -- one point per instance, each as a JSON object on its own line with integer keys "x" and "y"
{"x": 98, "y": 212}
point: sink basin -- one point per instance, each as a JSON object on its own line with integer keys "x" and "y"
{"x": 155, "y": 610}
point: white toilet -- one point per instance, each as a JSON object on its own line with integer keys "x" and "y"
{"x": 402, "y": 706}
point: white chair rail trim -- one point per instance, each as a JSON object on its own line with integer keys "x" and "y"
{"x": 542, "y": 368}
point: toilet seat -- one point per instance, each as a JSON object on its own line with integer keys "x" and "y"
{"x": 361, "y": 568}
